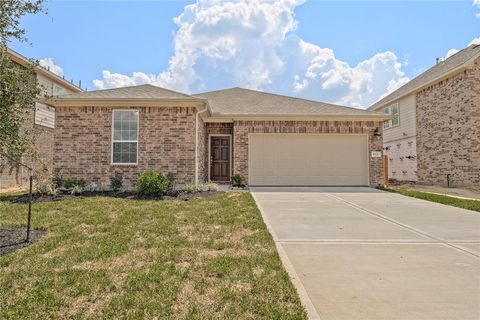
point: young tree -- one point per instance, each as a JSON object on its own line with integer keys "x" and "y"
{"x": 18, "y": 84}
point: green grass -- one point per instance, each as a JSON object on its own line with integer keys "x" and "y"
{"x": 102, "y": 257}
{"x": 451, "y": 201}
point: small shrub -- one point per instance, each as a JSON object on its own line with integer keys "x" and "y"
{"x": 53, "y": 190}
{"x": 73, "y": 182}
{"x": 190, "y": 188}
{"x": 153, "y": 183}
{"x": 92, "y": 187}
{"x": 116, "y": 182}
{"x": 210, "y": 186}
{"x": 76, "y": 189}
{"x": 58, "y": 181}
{"x": 237, "y": 180}
{"x": 171, "y": 181}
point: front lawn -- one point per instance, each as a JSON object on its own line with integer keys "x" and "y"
{"x": 451, "y": 201}
{"x": 102, "y": 257}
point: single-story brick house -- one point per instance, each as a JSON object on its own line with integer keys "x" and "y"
{"x": 269, "y": 139}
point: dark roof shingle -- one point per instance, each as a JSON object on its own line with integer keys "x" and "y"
{"x": 145, "y": 91}
{"x": 246, "y": 102}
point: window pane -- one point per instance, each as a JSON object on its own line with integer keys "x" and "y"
{"x": 395, "y": 120}
{"x": 395, "y": 109}
{"x": 125, "y": 125}
{"x": 124, "y": 152}
{"x": 386, "y": 124}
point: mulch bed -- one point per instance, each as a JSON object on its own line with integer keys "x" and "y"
{"x": 184, "y": 196}
{"x": 13, "y": 238}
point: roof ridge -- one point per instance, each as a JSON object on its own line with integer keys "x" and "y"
{"x": 170, "y": 90}
{"x": 126, "y": 87}
{"x": 280, "y": 95}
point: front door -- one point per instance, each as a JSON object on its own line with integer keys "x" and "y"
{"x": 220, "y": 158}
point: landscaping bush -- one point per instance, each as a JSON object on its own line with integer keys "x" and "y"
{"x": 154, "y": 184}
{"x": 208, "y": 186}
{"x": 190, "y": 188}
{"x": 237, "y": 180}
{"x": 76, "y": 190}
{"x": 116, "y": 181}
{"x": 73, "y": 182}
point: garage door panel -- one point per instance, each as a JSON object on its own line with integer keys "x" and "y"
{"x": 307, "y": 159}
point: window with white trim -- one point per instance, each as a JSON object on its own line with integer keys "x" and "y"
{"x": 59, "y": 90}
{"x": 125, "y": 137}
{"x": 393, "y": 111}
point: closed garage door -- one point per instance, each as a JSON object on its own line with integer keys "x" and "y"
{"x": 308, "y": 159}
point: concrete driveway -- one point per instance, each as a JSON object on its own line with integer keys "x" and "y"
{"x": 360, "y": 253}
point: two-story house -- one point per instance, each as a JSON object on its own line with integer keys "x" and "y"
{"x": 43, "y": 119}
{"x": 433, "y": 136}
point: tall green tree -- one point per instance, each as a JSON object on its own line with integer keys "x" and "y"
{"x": 18, "y": 84}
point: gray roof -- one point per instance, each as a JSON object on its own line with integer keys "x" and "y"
{"x": 246, "y": 102}
{"x": 145, "y": 91}
{"x": 440, "y": 69}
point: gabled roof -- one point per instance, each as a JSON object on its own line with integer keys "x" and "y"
{"x": 452, "y": 64}
{"x": 145, "y": 93}
{"x": 18, "y": 58}
{"x": 246, "y": 102}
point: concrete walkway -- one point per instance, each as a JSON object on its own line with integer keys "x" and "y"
{"x": 360, "y": 253}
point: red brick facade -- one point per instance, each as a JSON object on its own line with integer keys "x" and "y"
{"x": 83, "y": 143}
{"x": 448, "y": 130}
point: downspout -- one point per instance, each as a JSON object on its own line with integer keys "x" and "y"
{"x": 196, "y": 141}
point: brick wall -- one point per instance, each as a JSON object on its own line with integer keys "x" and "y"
{"x": 243, "y": 128}
{"x": 219, "y": 128}
{"x": 448, "y": 130}
{"x": 202, "y": 151}
{"x": 83, "y": 143}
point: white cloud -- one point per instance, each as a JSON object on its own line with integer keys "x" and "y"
{"x": 450, "y": 53}
{"x": 253, "y": 44}
{"x": 475, "y": 40}
{"x": 477, "y": 4}
{"x": 48, "y": 64}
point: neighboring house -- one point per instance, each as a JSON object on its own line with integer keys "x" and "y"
{"x": 43, "y": 119}
{"x": 267, "y": 138}
{"x": 434, "y": 134}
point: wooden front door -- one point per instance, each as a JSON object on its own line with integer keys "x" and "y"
{"x": 220, "y": 158}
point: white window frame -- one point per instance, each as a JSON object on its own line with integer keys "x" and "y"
{"x": 113, "y": 140}
{"x": 54, "y": 88}
{"x": 388, "y": 123}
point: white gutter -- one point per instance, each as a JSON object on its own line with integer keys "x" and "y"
{"x": 196, "y": 142}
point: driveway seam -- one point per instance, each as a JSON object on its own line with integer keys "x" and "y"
{"x": 402, "y": 225}
{"x": 297, "y": 283}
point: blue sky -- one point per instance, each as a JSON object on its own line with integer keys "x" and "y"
{"x": 343, "y": 52}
